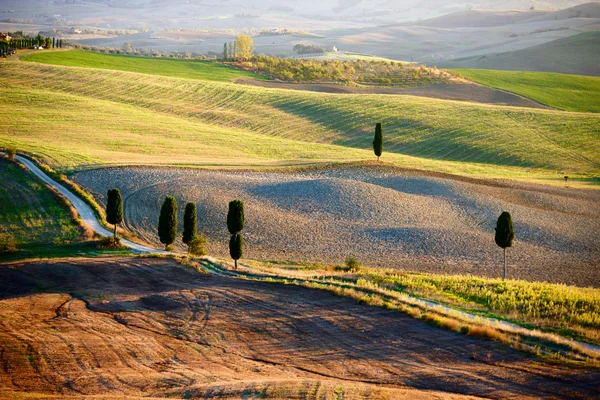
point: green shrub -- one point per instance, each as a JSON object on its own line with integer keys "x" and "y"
{"x": 11, "y": 152}
{"x": 352, "y": 264}
{"x": 197, "y": 245}
{"x": 109, "y": 243}
{"x": 8, "y": 244}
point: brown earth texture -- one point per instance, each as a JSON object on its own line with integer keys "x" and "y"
{"x": 385, "y": 217}
{"x": 132, "y": 327}
{"x": 470, "y": 92}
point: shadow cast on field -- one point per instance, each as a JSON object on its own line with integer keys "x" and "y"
{"x": 292, "y": 328}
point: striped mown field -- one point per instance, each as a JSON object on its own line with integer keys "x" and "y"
{"x": 77, "y": 118}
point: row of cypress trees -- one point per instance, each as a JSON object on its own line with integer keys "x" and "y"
{"x": 167, "y": 223}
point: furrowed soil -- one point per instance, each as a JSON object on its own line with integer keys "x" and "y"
{"x": 128, "y": 327}
{"x": 385, "y": 217}
{"x": 456, "y": 91}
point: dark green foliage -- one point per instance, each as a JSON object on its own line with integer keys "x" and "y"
{"x": 505, "y": 231}
{"x": 505, "y": 234}
{"x": 235, "y": 217}
{"x": 8, "y": 244}
{"x": 225, "y": 52}
{"x": 114, "y": 209}
{"x": 189, "y": 223}
{"x": 378, "y": 141}
{"x": 236, "y": 247}
{"x": 167, "y": 221}
{"x": 197, "y": 245}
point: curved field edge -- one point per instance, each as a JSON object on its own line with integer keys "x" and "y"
{"x": 42, "y": 223}
{"x": 577, "y": 93}
{"x": 214, "y": 123}
{"x": 532, "y": 338}
{"x": 191, "y": 69}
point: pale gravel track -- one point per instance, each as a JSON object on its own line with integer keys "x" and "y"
{"x": 89, "y": 218}
{"x": 85, "y": 212}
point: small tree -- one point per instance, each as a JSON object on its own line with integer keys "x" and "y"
{"x": 11, "y": 152}
{"x": 378, "y": 141}
{"x": 225, "y": 52}
{"x": 189, "y": 224}
{"x": 114, "y": 210}
{"x": 236, "y": 217}
{"x": 505, "y": 234}
{"x": 167, "y": 221}
{"x": 236, "y": 247}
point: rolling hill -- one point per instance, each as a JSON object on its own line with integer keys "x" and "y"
{"x": 578, "y": 54}
{"x": 69, "y": 117}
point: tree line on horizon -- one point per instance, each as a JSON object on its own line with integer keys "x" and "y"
{"x": 28, "y": 43}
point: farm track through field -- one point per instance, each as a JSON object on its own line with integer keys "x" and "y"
{"x": 89, "y": 218}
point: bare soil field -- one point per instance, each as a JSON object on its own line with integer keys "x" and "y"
{"x": 456, "y": 91}
{"x": 129, "y": 327}
{"x": 385, "y": 217}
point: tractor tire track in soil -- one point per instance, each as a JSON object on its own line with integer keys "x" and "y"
{"x": 141, "y": 332}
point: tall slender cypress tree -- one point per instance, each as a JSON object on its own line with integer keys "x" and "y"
{"x": 225, "y": 52}
{"x": 505, "y": 234}
{"x": 236, "y": 247}
{"x": 378, "y": 141}
{"x": 189, "y": 223}
{"x": 167, "y": 221}
{"x": 114, "y": 210}
{"x": 236, "y": 217}
{"x": 235, "y": 224}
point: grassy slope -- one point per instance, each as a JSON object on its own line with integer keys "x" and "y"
{"x": 566, "y": 92}
{"x": 68, "y": 116}
{"x": 40, "y": 223}
{"x": 30, "y": 211}
{"x": 204, "y": 70}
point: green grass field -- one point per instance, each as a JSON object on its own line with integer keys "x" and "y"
{"x": 565, "y": 92}
{"x": 29, "y": 211}
{"x": 40, "y": 223}
{"x": 79, "y": 118}
{"x": 191, "y": 69}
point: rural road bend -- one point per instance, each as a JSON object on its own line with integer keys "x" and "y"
{"x": 85, "y": 212}
{"x": 89, "y": 218}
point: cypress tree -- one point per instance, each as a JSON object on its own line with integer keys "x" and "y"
{"x": 53, "y": 42}
{"x": 114, "y": 209}
{"x": 236, "y": 247}
{"x": 167, "y": 221}
{"x": 505, "y": 234}
{"x": 189, "y": 223}
{"x": 225, "y": 52}
{"x": 236, "y": 217}
{"x": 378, "y": 141}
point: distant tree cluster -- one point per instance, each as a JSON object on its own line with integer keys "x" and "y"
{"x": 20, "y": 41}
{"x": 386, "y": 73}
{"x": 241, "y": 49}
{"x": 128, "y": 49}
{"x": 308, "y": 49}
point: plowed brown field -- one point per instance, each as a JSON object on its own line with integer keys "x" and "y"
{"x": 117, "y": 328}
